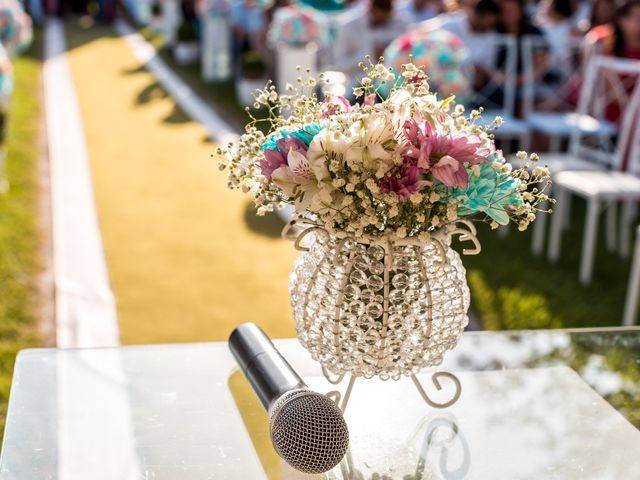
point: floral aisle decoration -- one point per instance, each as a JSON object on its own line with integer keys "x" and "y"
{"x": 294, "y": 36}
{"x": 16, "y": 28}
{"x": 441, "y": 54}
{"x": 294, "y": 27}
{"x": 379, "y": 189}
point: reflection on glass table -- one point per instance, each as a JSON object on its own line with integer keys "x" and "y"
{"x": 534, "y": 405}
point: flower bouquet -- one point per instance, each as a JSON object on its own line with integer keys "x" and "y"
{"x": 379, "y": 188}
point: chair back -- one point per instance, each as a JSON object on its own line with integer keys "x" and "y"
{"x": 348, "y": 39}
{"x": 497, "y": 94}
{"x": 554, "y": 86}
{"x": 628, "y": 151}
{"x": 606, "y": 92}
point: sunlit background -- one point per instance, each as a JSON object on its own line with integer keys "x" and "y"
{"x": 112, "y": 206}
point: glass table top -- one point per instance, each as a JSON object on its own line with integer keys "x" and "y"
{"x": 534, "y": 405}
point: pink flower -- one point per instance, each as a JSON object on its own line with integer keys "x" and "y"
{"x": 404, "y": 182}
{"x": 443, "y": 154}
{"x": 274, "y": 159}
{"x": 335, "y": 104}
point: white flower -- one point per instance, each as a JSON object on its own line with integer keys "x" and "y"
{"x": 369, "y": 136}
{"x": 541, "y": 172}
{"x": 521, "y": 155}
{"x": 415, "y": 198}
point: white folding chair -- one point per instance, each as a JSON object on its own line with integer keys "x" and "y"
{"x": 604, "y": 187}
{"x": 548, "y": 93}
{"x": 591, "y": 145}
{"x": 633, "y": 288}
{"x": 498, "y": 97}
{"x": 347, "y": 40}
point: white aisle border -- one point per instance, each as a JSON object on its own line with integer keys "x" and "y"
{"x": 85, "y": 306}
{"x": 217, "y": 128}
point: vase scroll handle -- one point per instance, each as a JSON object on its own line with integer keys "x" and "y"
{"x": 467, "y": 234}
{"x": 436, "y": 381}
{"x": 288, "y": 233}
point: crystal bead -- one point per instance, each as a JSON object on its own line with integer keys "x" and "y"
{"x": 375, "y": 283}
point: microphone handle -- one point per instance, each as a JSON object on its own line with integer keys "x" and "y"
{"x": 268, "y": 373}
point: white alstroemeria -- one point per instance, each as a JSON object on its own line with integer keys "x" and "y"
{"x": 372, "y": 136}
{"x": 299, "y": 177}
{"x": 401, "y": 100}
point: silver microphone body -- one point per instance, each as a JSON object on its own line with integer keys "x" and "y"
{"x": 269, "y": 374}
{"x": 307, "y": 428}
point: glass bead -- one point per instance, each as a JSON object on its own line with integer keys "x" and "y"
{"x": 376, "y": 268}
{"x": 361, "y": 262}
{"x": 375, "y": 310}
{"x": 358, "y": 278}
{"x": 400, "y": 281}
{"x": 351, "y": 292}
{"x": 375, "y": 283}
{"x": 396, "y": 296}
{"x": 376, "y": 252}
{"x": 367, "y": 296}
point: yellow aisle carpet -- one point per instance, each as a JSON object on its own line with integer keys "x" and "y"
{"x": 183, "y": 262}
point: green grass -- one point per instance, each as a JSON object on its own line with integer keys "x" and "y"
{"x": 513, "y": 289}
{"x": 19, "y": 231}
{"x": 510, "y": 288}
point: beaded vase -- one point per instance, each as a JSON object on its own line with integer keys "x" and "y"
{"x": 378, "y": 309}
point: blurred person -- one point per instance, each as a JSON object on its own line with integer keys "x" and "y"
{"x": 557, "y": 24}
{"x": 602, "y": 12}
{"x": 621, "y": 37}
{"x": 385, "y": 24}
{"x": 473, "y": 24}
{"x": 416, "y": 11}
{"x": 249, "y": 25}
{"x": 515, "y": 21}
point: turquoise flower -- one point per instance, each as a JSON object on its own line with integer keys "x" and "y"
{"x": 490, "y": 192}
{"x": 305, "y": 135}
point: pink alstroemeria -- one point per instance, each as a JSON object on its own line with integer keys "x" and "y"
{"x": 404, "y": 182}
{"x": 274, "y": 159}
{"x": 444, "y": 154}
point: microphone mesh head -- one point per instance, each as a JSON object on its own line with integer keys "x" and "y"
{"x": 308, "y": 431}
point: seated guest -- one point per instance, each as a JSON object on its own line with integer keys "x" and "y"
{"x": 385, "y": 25}
{"x": 557, "y": 24}
{"x": 515, "y": 21}
{"x": 602, "y": 12}
{"x": 621, "y": 37}
{"x": 249, "y": 24}
{"x": 471, "y": 24}
{"x": 416, "y": 11}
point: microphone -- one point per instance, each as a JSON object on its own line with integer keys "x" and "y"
{"x": 307, "y": 428}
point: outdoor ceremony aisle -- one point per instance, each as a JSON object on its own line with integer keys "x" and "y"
{"x": 186, "y": 257}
